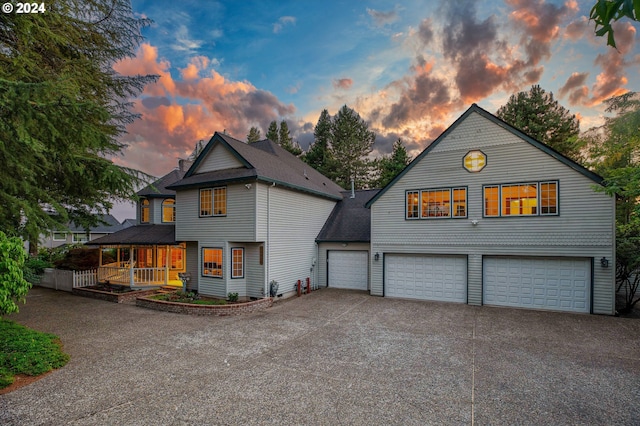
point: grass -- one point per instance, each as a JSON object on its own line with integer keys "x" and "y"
{"x": 26, "y": 351}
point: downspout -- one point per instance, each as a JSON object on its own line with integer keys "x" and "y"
{"x": 268, "y": 243}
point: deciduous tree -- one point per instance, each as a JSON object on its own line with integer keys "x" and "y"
{"x": 62, "y": 111}
{"x": 13, "y": 286}
{"x": 605, "y": 12}
{"x": 540, "y": 116}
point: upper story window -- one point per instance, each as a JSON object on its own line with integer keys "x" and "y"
{"x": 59, "y": 236}
{"x": 213, "y": 201}
{"x": 436, "y": 203}
{"x": 169, "y": 210}
{"x": 524, "y": 199}
{"x": 80, "y": 237}
{"x": 144, "y": 210}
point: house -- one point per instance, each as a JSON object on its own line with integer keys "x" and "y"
{"x": 485, "y": 215}
{"x": 489, "y": 216}
{"x": 243, "y": 215}
{"x": 72, "y": 234}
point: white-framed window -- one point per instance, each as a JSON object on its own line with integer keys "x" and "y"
{"x": 436, "y": 203}
{"x": 521, "y": 199}
{"x": 212, "y": 262}
{"x": 213, "y": 202}
{"x": 80, "y": 237}
{"x": 237, "y": 262}
{"x": 169, "y": 210}
{"x": 59, "y": 236}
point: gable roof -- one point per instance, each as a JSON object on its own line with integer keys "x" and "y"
{"x": 106, "y": 224}
{"x": 262, "y": 161}
{"x": 159, "y": 187}
{"x": 486, "y": 114}
{"x": 140, "y": 234}
{"x": 350, "y": 220}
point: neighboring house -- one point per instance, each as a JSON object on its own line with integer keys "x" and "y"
{"x": 127, "y": 223}
{"x": 485, "y": 215}
{"x": 489, "y": 216}
{"x": 107, "y": 224}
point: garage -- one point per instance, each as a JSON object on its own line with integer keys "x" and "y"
{"x": 440, "y": 278}
{"x": 348, "y": 269}
{"x": 558, "y": 284}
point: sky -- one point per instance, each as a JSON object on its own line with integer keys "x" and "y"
{"x": 408, "y": 68}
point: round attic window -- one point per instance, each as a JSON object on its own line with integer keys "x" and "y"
{"x": 474, "y": 161}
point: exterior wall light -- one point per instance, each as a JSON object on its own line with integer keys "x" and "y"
{"x": 604, "y": 262}
{"x": 376, "y": 257}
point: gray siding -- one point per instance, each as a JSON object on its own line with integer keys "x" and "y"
{"x": 254, "y": 272}
{"x": 584, "y": 227}
{"x": 293, "y": 222}
{"x": 219, "y": 158}
{"x": 192, "y": 264}
{"x": 238, "y": 225}
{"x": 323, "y": 248}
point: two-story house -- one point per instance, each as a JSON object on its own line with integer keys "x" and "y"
{"x": 485, "y": 215}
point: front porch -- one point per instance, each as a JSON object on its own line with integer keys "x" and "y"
{"x": 138, "y": 266}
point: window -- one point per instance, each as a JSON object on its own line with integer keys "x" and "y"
{"x": 176, "y": 258}
{"x": 59, "y": 236}
{"x": 549, "y": 198}
{"x": 524, "y": 199}
{"x": 169, "y": 210}
{"x": 212, "y": 262}
{"x": 144, "y": 211}
{"x": 237, "y": 263}
{"x": 213, "y": 202}
{"x": 436, "y": 203}
{"x": 412, "y": 204}
{"x": 80, "y": 237}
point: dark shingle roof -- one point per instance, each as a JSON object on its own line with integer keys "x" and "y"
{"x": 159, "y": 187}
{"x": 106, "y": 224}
{"x": 350, "y": 220}
{"x": 263, "y": 160}
{"x": 140, "y": 234}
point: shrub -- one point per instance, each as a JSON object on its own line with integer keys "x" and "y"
{"x": 233, "y": 297}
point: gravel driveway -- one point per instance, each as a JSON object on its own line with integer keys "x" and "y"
{"x": 333, "y": 357}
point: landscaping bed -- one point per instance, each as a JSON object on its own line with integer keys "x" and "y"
{"x": 111, "y": 293}
{"x": 202, "y": 306}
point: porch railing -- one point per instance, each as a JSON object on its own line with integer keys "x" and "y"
{"x": 126, "y": 275}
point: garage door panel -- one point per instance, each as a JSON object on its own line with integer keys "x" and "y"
{"x": 541, "y": 283}
{"x": 440, "y": 278}
{"x": 348, "y": 269}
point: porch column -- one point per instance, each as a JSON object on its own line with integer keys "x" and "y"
{"x": 131, "y": 263}
{"x": 166, "y": 265}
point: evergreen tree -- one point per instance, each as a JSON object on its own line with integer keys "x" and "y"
{"x": 272, "y": 132}
{"x": 319, "y": 155}
{"x": 540, "y": 116}
{"x": 286, "y": 141}
{"x": 390, "y": 166}
{"x": 351, "y": 141}
{"x": 254, "y": 135}
{"x": 62, "y": 111}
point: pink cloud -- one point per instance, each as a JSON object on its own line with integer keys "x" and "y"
{"x": 342, "y": 83}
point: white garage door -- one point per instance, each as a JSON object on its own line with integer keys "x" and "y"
{"x": 348, "y": 269}
{"x": 539, "y": 283}
{"x": 442, "y": 278}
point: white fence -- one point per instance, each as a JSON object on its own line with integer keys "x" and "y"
{"x": 85, "y": 278}
{"x": 68, "y": 280}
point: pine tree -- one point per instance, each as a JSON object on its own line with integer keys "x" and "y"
{"x": 540, "y": 116}
{"x": 319, "y": 155}
{"x": 390, "y": 166}
{"x": 352, "y": 141}
{"x": 272, "y": 132}
{"x": 63, "y": 109}
{"x": 254, "y": 135}
{"x": 286, "y": 141}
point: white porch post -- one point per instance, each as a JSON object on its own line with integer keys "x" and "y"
{"x": 131, "y": 263}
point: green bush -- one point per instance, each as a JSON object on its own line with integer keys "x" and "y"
{"x": 26, "y": 351}
{"x": 233, "y": 297}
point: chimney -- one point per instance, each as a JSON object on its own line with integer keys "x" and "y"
{"x": 183, "y": 165}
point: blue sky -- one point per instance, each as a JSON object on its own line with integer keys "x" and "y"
{"x": 409, "y": 68}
